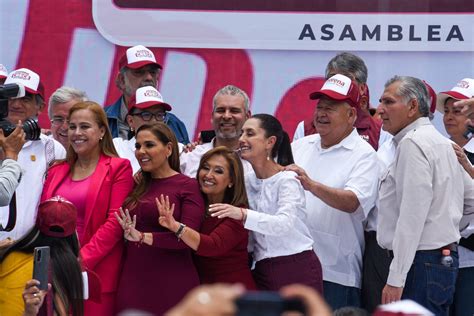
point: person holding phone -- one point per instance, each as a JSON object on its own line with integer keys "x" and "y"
{"x": 221, "y": 245}
{"x": 283, "y": 246}
{"x": 158, "y": 268}
{"x": 97, "y": 182}
{"x": 55, "y": 229}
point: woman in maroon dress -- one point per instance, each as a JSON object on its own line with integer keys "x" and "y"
{"x": 158, "y": 269}
{"x": 221, "y": 246}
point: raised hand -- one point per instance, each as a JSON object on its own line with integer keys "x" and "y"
{"x": 128, "y": 225}
{"x": 165, "y": 212}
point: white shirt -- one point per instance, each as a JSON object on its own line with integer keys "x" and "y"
{"x": 189, "y": 162}
{"x": 421, "y": 197}
{"x": 385, "y": 155}
{"x": 299, "y": 131}
{"x": 32, "y": 159}
{"x": 126, "y": 149}
{"x": 466, "y": 256}
{"x": 277, "y": 216}
{"x": 339, "y": 236}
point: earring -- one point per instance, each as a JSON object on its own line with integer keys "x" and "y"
{"x": 230, "y": 186}
{"x": 101, "y": 137}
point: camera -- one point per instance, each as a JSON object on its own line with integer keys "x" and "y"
{"x": 30, "y": 126}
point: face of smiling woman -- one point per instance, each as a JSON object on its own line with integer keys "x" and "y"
{"x": 84, "y": 133}
{"x": 214, "y": 178}
{"x": 151, "y": 153}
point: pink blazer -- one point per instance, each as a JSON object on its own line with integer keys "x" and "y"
{"x": 102, "y": 242}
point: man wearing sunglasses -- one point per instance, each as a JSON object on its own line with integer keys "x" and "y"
{"x": 145, "y": 107}
{"x": 138, "y": 68}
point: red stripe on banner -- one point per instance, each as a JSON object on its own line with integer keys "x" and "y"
{"x": 47, "y": 40}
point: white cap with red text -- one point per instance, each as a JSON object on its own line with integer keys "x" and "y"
{"x": 28, "y": 78}
{"x": 463, "y": 90}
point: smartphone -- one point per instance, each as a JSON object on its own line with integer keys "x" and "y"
{"x": 207, "y": 136}
{"x": 267, "y": 304}
{"x": 41, "y": 266}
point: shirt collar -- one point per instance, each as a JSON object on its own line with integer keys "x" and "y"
{"x": 413, "y": 125}
{"x": 349, "y": 142}
{"x": 469, "y": 146}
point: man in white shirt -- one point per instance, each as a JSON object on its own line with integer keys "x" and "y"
{"x": 229, "y": 112}
{"x": 34, "y": 157}
{"x": 338, "y": 170}
{"x": 421, "y": 200}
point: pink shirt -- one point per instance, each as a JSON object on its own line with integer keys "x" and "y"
{"x": 76, "y": 192}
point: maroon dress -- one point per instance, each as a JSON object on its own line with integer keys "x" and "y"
{"x": 222, "y": 254}
{"x": 155, "y": 278}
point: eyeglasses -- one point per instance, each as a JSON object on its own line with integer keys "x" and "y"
{"x": 147, "y": 116}
{"x": 58, "y": 121}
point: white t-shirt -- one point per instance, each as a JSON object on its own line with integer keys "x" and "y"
{"x": 339, "y": 236}
{"x": 32, "y": 159}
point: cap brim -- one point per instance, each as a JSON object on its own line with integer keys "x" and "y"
{"x": 142, "y": 63}
{"x": 146, "y": 105}
{"x": 332, "y": 95}
{"x": 443, "y": 96}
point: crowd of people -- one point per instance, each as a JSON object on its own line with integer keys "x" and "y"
{"x": 360, "y": 209}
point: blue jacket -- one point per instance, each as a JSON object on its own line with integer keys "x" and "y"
{"x": 173, "y": 122}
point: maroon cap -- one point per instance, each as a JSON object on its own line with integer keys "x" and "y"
{"x": 57, "y": 217}
{"x": 432, "y": 95}
{"x": 340, "y": 88}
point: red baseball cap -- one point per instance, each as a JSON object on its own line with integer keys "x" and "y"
{"x": 57, "y": 217}
{"x": 28, "y": 78}
{"x": 138, "y": 56}
{"x": 146, "y": 97}
{"x": 340, "y": 88}
{"x": 432, "y": 95}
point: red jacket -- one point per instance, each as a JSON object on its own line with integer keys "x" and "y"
{"x": 102, "y": 241}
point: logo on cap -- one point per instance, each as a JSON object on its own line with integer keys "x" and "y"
{"x": 152, "y": 93}
{"x": 23, "y": 75}
{"x": 143, "y": 53}
{"x": 463, "y": 84}
{"x": 336, "y": 81}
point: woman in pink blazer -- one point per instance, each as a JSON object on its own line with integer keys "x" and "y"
{"x": 97, "y": 182}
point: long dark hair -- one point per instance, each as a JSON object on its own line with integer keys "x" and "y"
{"x": 66, "y": 270}
{"x": 282, "y": 148}
{"x": 165, "y": 136}
{"x": 235, "y": 195}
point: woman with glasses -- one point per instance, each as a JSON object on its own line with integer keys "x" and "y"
{"x": 146, "y": 107}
